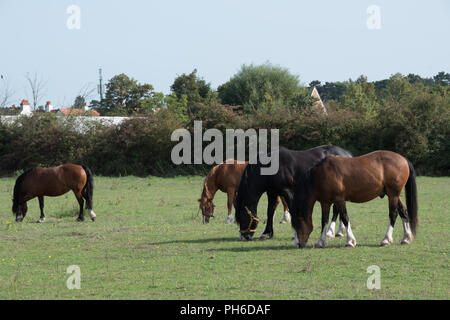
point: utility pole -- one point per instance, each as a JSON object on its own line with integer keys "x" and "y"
{"x": 100, "y": 86}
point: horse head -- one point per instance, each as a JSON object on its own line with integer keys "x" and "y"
{"x": 207, "y": 208}
{"x": 19, "y": 209}
{"x": 248, "y": 222}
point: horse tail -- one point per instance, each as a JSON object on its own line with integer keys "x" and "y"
{"x": 411, "y": 198}
{"x": 88, "y": 190}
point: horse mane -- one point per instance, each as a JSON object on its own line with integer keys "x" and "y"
{"x": 305, "y": 186}
{"x": 242, "y": 189}
{"x": 206, "y": 192}
{"x": 18, "y": 184}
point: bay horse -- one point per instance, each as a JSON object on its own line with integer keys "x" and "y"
{"x": 336, "y": 180}
{"x": 292, "y": 165}
{"x": 53, "y": 182}
{"x": 226, "y": 178}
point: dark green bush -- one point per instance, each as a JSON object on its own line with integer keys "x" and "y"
{"x": 417, "y": 128}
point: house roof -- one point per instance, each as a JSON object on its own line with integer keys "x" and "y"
{"x": 77, "y": 112}
{"x": 318, "y": 105}
{"x": 71, "y": 111}
{"x": 92, "y": 113}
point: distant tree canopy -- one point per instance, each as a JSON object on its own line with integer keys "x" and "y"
{"x": 124, "y": 96}
{"x": 257, "y": 88}
{"x": 79, "y": 102}
{"x": 195, "y": 88}
{"x": 266, "y": 85}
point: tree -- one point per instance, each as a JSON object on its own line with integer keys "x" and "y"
{"x": 195, "y": 88}
{"x": 315, "y": 83}
{"x": 123, "y": 96}
{"x": 5, "y": 92}
{"x": 37, "y": 86}
{"x": 442, "y": 79}
{"x": 79, "y": 102}
{"x": 360, "y": 96}
{"x": 87, "y": 91}
{"x": 263, "y": 86}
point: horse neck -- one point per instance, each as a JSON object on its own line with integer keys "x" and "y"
{"x": 252, "y": 194}
{"x": 209, "y": 187}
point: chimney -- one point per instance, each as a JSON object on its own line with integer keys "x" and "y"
{"x": 48, "y": 106}
{"x": 26, "y": 109}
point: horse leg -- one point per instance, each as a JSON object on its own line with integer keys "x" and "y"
{"x": 286, "y": 214}
{"x": 323, "y": 241}
{"x": 351, "y": 240}
{"x": 273, "y": 202}
{"x": 407, "y": 234}
{"x": 41, "y": 207}
{"x": 393, "y": 213}
{"x": 341, "y": 231}
{"x": 81, "y": 203}
{"x": 231, "y": 196}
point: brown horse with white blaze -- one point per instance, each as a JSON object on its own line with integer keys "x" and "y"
{"x": 336, "y": 180}
{"x": 226, "y": 178}
{"x": 53, "y": 182}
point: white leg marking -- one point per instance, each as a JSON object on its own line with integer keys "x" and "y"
{"x": 341, "y": 230}
{"x": 351, "y": 240}
{"x": 330, "y": 233}
{"x": 92, "y": 214}
{"x": 387, "y": 240}
{"x": 323, "y": 240}
{"x": 407, "y": 234}
{"x": 286, "y": 217}
{"x": 230, "y": 219}
{"x": 41, "y": 220}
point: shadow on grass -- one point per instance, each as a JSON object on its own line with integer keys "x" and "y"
{"x": 264, "y": 245}
{"x": 229, "y": 239}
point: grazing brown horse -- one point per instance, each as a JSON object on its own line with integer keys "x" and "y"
{"x": 53, "y": 182}
{"x": 226, "y": 178}
{"x": 336, "y": 180}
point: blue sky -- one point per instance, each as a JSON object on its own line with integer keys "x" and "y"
{"x": 154, "y": 41}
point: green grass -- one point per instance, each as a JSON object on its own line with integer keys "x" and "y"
{"x": 148, "y": 243}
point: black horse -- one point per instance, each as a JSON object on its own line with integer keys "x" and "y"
{"x": 292, "y": 165}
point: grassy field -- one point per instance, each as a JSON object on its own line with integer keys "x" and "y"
{"x": 148, "y": 243}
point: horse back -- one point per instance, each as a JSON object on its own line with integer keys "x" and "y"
{"x": 363, "y": 178}
{"x": 228, "y": 175}
{"x": 58, "y": 180}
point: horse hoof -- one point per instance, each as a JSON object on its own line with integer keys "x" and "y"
{"x": 350, "y": 244}
{"x": 265, "y": 237}
{"x": 339, "y": 235}
{"x": 93, "y": 219}
{"x": 386, "y": 242}
{"x": 330, "y": 235}
{"x": 80, "y": 220}
{"x": 405, "y": 241}
{"x": 40, "y": 220}
{"x": 318, "y": 245}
